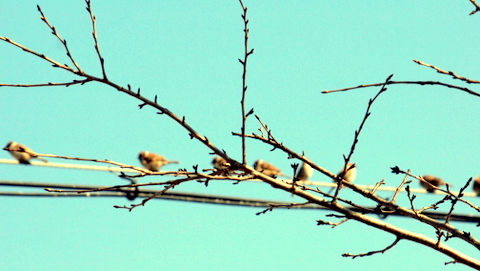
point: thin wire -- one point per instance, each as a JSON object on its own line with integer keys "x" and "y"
{"x": 309, "y": 183}
{"x": 221, "y": 200}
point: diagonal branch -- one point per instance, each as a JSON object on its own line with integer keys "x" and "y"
{"x": 55, "y": 64}
{"x": 63, "y": 41}
{"x": 357, "y": 133}
{"x": 373, "y": 252}
{"x": 95, "y": 39}
{"x": 470, "y": 81}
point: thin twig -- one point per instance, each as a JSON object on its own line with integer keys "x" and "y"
{"x": 55, "y": 64}
{"x": 286, "y": 206}
{"x": 470, "y": 81}
{"x": 397, "y": 170}
{"x": 49, "y": 84}
{"x": 377, "y": 185}
{"x": 407, "y": 83}
{"x": 404, "y": 181}
{"x": 477, "y": 7}
{"x": 63, "y": 41}
{"x": 373, "y": 252}
{"x": 334, "y": 225}
{"x": 411, "y": 198}
{"x": 357, "y": 134}
{"x": 95, "y": 39}
{"x": 247, "y": 53}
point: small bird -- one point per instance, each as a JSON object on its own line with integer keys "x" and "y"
{"x": 268, "y": 169}
{"x": 220, "y": 163}
{"x": 305, "y": 172}
{"x": 476, "y": 186}
{"x": 436, "y": 181}
{"x": 351, "y": 173}
{"x": 152, "y": 161}
{"x": 22, "y": 153}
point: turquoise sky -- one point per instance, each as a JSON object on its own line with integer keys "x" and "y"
{"x": 186, "y": 53}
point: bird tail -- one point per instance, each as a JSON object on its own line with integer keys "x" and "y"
{"x": 285, "y": 175}
{"x": 172, "y": 162}
{"x": 41, "y": 159}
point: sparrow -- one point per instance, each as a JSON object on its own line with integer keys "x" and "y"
{"x": 351, "y": 173}
{"x": 305, "y": 172}
{"x": 476, "y": 186}
{"x": 436, "y": 181}
{"x": 267, "y": 168}
{"x": 152, "y": 161}
{"x": 22, "y": 153}
{"x": 220, "y": 163}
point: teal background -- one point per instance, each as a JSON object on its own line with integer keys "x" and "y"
{"x": 186, "y": 52}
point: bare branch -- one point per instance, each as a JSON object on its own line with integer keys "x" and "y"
{"x": 63, "y": 41}
{"x": 49, "y": 84}
{"x": 247, "y": 53}
{"x": 397, "y": 170}
{"x": 470, "y": 81}
{"x": 357, "y": 134}
{"x": 469, "y": 91}
{"x": 477, "y": 7}
{"x": 353, "y": 256}
{"x": 334, "y": 225}
{"x": 95, "y": 39}
{"x": 404, "y": 181}
{"x": 287, "y": 206}
{"x": 55, "y": 64}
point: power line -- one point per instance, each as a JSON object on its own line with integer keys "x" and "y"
{"x": 307, "y": 183}
{"x": 199, "y": 198}
{"x": 70, "y": 166}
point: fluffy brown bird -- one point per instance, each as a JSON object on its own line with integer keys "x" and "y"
{"x": 22, "y": 153}
{"x": 220, "y": 163}
{"x": 305, "y": 172}
{"x": 351, "y": 172}
{"x": 153, "y": 161}
{"x": 476, "y": 186}
{"x": 267, "y": 169}
{"x": 436, "y": 181}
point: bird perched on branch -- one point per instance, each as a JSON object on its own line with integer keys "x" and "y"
{"x": 305, "y": 172}
{"x": 436, "y": 181}
{"x": 268, "y": 169}
{"x": 476, "y": 186}
{"x": 22, "y": 153}
{"x": 351, "y": 172}
{"x": 153, "y": 161}
{"x": 220, "y": 163}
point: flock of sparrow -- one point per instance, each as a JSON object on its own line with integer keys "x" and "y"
{"x": 154, "y": 162}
